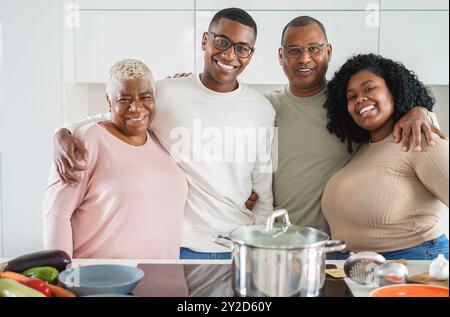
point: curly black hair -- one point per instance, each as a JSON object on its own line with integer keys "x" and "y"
{"x": 406, "y": 89}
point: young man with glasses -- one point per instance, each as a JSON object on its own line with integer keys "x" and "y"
{"x": 308, "y": 155}
{"x": 211, "y": 104}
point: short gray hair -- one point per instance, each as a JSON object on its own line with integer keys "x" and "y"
{"x": 125, "y": 70}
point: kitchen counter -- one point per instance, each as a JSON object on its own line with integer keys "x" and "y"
{"x": 357, "y": 290}
{"x": 414, "y": 267}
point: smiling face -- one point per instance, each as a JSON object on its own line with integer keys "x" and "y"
{"x": 371, "y": 104}
{"x": 223, "y": 67}
{"x": 306, "y": 74}
{"x": 132, "y": 106}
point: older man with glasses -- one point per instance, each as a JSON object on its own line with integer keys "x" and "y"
{"x": 308, "y": 155}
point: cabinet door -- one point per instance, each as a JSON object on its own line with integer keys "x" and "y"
{"x": 347, "y": 31}
{"x": 284, "y": 4}
{"x": 414, "y": 5}
{"x": 135, "y": 4}
{"x": 419, "y": 39}
{"x": 161, "y": 39}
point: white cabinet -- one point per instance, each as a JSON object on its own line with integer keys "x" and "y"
{"x": 167, "y": 35}
{"x": 135, "y": 4}
{"x": 414, "y": 5}
{"x": 347, "y": 31}
{"x": 284, "y": 4}
{"x": 419, "y": 39}
{"x": 164, "y": 40}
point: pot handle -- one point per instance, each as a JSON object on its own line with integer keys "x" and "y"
{"x": 224, "y": 241}
{"x": 278, "y": 213}
{"x": 334, "y": 246}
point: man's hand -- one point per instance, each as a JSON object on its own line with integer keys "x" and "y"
{"x": 251, "y": 201}
{"x": 180, "y": 75}
{"x": 414, "y": 122}
{"x": 69, "y": 154}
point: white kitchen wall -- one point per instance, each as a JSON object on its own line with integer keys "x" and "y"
{"x": 404, "y": 38}
{"x": 53, "y": 59}
{"x": 441, "y": 107}
{"x": 1, "y": 106}
{"x": 1, "y": 204}
{"x": 30, "y": 109}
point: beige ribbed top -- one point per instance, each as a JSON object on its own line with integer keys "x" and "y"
{"x": 385, "y": 199}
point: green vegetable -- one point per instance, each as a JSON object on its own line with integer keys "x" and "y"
{"x": 47, "y": 273}
{"x": 11, "y": 288}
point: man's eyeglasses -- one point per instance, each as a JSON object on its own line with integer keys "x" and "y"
{"x": 222, "y": 43}
{"x": 296, "y": 51}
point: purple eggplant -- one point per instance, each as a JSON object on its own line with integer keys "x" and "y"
{"x": 55, "y": 258}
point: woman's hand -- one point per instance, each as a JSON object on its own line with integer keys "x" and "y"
{"x": 70, "y": 156}
{"x": 251, "y": 201}
{"x": 414, "y": 122}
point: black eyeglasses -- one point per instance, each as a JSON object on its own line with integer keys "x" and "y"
{"x": 222, "y": 43}
{"x": 296, "y": 51}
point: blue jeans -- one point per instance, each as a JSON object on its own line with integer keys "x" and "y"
{"x": 426, "y": 251}
{"x": 188, "y": 254}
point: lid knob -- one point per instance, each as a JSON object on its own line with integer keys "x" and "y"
{"x": 276, "y": 214}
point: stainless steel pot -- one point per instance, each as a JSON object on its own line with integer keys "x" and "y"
{"x": 278, "y": 259}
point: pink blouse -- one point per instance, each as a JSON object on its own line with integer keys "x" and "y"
{"x": 129, "y": 203}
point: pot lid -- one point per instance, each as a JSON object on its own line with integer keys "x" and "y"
{"x": 274, "y": 235}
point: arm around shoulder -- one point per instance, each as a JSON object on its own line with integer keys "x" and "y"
{"x": 60, "y": 202}
{"x": 74, "y": 126}
{"x": 432, "y": 167}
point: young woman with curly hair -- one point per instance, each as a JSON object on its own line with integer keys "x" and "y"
{"x": 384, "y": 200}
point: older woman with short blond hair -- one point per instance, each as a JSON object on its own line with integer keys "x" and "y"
{"x": 130, "y": 200}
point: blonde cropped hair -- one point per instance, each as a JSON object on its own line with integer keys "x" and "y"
{"x": 125, "y": 70}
